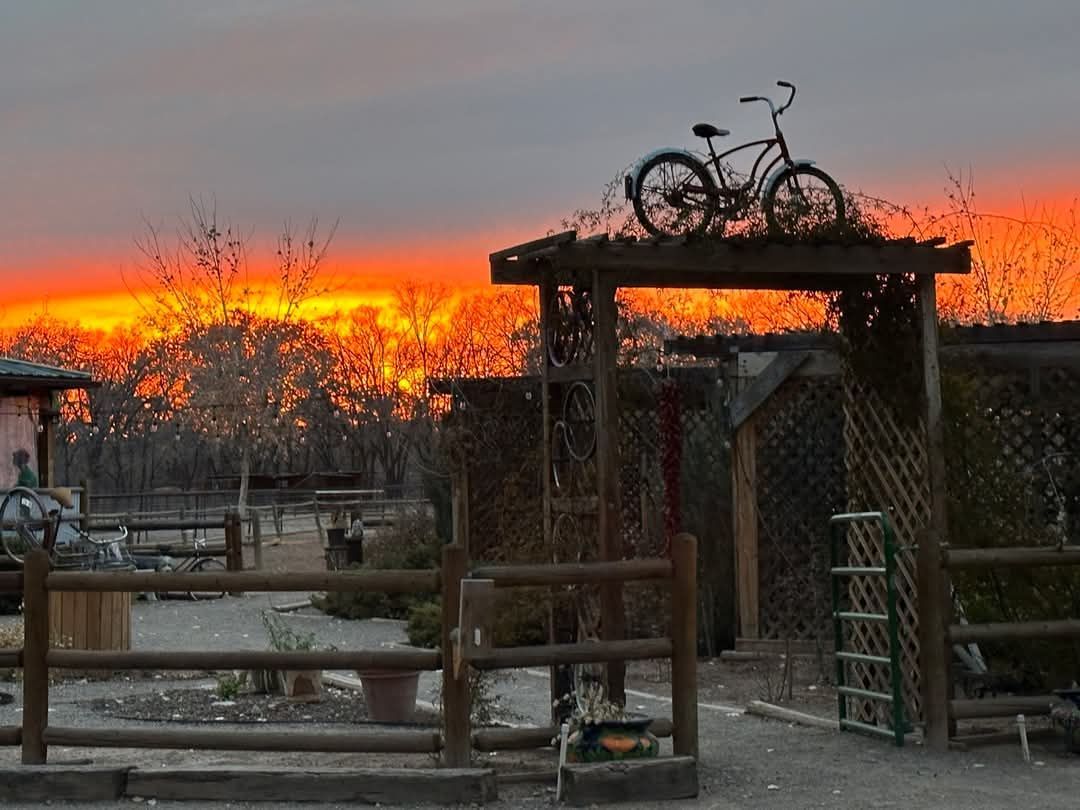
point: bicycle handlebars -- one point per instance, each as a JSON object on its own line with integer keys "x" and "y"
{"x": 772, "y": 107}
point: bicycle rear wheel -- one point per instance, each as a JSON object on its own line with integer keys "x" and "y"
{"x": 674, "y": 196}
{"x": 207, "y": 565}
{"x": 24, "y": 523}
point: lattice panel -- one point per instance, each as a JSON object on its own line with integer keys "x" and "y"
{"x": 886, "y": 471}
{"x": 1032, "y": 417}
{"x": 800, "y": 484}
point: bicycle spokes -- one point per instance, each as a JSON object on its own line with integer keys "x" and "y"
{"x": 569, "y": 326}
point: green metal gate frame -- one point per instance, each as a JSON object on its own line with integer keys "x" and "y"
{"x": 840, "y": 573}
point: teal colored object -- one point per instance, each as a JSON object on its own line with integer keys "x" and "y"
{"x": 611, "y": 740}
{"x": 839, "y": 574}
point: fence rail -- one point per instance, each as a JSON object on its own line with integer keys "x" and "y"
{"x": 1015, "y": 631}
{"x": 455, "y": 741}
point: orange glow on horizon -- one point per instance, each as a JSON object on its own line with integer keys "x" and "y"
{"x": 96, "y": 295}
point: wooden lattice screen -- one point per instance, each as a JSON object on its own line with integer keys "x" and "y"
{"x": 885, "y": 458}
{"x": 800, "y": 484}
{"x": 499, "y": 423}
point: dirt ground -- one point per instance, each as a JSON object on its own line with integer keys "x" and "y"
{"x": 744, "y": 761}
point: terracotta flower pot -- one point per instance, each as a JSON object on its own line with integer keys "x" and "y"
{"x": 390, "y": 694}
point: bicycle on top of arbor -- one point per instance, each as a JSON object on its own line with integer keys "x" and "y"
{"x": 675, "y": 194}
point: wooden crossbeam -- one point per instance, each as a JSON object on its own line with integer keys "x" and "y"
{"x": 719, "y": 264}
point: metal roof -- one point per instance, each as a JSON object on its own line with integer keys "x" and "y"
{"x": 23, "y": 374}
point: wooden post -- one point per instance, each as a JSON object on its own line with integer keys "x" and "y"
{"x": 459, "y": 506}
{"x": 934, "y": 598}
{"x": 46, "y": 439}
{"x": 609, "y": 514}
{"x": 84, "y": 505}
{"x": 234, "y": 537}
{"x": 745, "y": 517}
{"x": 457, "y": 746}
{"x": 684, "y": 708}
{"x": 546, "y": 292}
{"x": 35, "y": 715}
{"x": 256, "y": 537}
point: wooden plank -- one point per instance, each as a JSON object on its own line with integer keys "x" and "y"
{"x": 631, "y": 780}
{"x": 11, "y": 581}
{"x": 608, "y": 489}
{"x": 201, "y": 660}
{"x": 553, "y": 240}
{"x": 964, "y": 742}
{"x": 1008, "y": 706}
{"x": 1009, "y": 557}
{"x": 53, "y": 783}
{"x": 513, "y": 576}
{"x": 771, "y": 646}
{"x": 1013, "y": 631}
{"x": 715, "y": 264}
{"x": 570, "y": 373}
{"x": 476, "y": 621}
{"x": 684, "y": 690}
{"x": 764, "y": 385}
{"x": 524, "y": 739}
{"x": 378, "y": 786}
{"x": 35, "y": 713}
{"x": 580, "y": 505}
{"x": 455, "y": 680}
{"x": 10, "y": 735}
{"x": 387, "y": 581}
{"x": 933, "y": 581}
{"x": 745, "y": 530}
{"x": 10, "y": 657}
{"x": 786, "y": 715}
{"x": 372, "y": 741}
{"x": 585, "y": 652}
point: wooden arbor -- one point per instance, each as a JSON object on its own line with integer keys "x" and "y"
{"x": 577, "y": 280}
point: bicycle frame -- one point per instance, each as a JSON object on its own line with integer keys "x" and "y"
{"x": 756, "y": 181}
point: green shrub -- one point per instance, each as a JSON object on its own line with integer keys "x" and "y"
{"x": 522, "y": 618}
{"x": 425, "y": 625}
{"x": 410, "y": 544}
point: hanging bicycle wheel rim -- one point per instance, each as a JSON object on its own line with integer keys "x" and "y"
{"x": 562, "y": 332}
{"x": 24, "y": 523}
{"x": 583, "y": 307}
{"x": 674, "y": 196}
{"x": 804, "y": 201}
{"x": 579, "y": 417}
{"x": 561, "y": 462}
{"x": 207, "y": 565}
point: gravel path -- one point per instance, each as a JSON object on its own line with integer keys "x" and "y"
{"x": 745, "y": 762}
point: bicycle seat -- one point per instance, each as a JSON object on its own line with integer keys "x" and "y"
{"x": 709, "y": 131}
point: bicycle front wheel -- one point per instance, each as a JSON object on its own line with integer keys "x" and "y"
{"x": 24, "y": 523}
{"x": 674, "y": 196}
{"x": 804, "y": 201}
{"x": 207, "y": 565}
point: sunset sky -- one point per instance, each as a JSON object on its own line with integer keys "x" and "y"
{"x": 437, "y": 131}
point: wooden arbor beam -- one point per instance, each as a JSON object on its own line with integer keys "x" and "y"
{"x": 717, "y": 264}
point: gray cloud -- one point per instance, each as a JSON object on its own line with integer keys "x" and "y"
{"x": 484, "y": 117}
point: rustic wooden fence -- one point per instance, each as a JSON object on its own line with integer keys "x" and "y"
{"x": 454, "y": 741}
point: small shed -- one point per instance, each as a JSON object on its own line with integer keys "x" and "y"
{"x": 29, "y": 409}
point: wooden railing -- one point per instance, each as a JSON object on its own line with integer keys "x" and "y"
{"x": 455, "y": 742}
{"x": 953, "y": 559}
